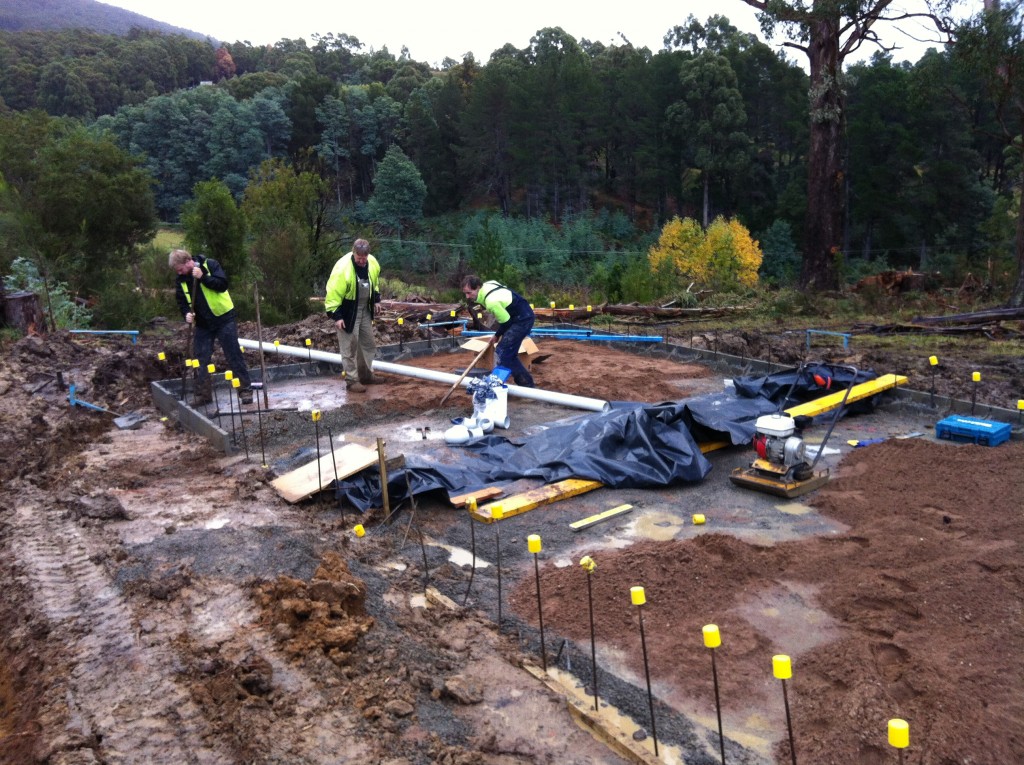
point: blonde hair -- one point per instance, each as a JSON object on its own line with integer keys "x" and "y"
{"x": 177, "y": 258}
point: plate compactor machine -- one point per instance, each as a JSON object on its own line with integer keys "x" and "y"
{"x": 782, "y": 466}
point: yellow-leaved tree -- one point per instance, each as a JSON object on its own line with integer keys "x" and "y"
{"x": 722, "y": 257}
{"x": 679, "y": 253}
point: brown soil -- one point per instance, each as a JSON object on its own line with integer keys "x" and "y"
{"x": 141, "y": 627}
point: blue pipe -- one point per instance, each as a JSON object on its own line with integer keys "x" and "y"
{"x": 133, "y": 332}
{"x": 579, "y": 335}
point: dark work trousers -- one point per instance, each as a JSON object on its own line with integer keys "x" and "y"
{"x": 507, "y": 351}
{"x": 227, "y": 336}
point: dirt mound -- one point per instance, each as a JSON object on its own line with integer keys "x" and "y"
{"x": 325, "y": 615}
{"x": 922, "y": 592}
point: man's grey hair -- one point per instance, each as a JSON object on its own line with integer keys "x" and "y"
{"x": 177, "y": 258}
{"x": 361, "y": 247}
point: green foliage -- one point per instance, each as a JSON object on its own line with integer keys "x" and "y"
{"x": 191, "y": 136}
{"x": 399, "y": 191}
{"x": 781, "y": 263}
{"x": 487, "y": 256}
{"x": 582, "y": 149}
{"x": 215, "y": 226}
{"x": 76, "y": 199}
{"x": 56, "y": 300}
{"x": 283, "y": 210}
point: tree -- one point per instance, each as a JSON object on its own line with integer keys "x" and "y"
{"x": 215, "y": 226}
{"x": 193, "y": 135}
{"x": 91, "y": 204}
{"x": 725, "y": 256}
{"x": 399, "y": 191}
{"x": 827, "y": 31}
{"x": 711, "y": 114}
{"x": 284, "y": 211}
{"x": 992, "y": 45}
{"x": 485, "y": 154}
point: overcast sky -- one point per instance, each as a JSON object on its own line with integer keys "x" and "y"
{"x": 434, "y": 31}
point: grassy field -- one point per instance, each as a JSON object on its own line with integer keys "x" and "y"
{"x": 168, "y": 239}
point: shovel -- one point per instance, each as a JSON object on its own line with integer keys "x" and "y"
{"x": 128, "y": 421}
{"x": 466, "y": 372}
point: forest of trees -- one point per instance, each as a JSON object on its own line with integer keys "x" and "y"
{"x": 561, "y": 162}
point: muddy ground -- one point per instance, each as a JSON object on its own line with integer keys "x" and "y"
{"x": 162, "y": 604}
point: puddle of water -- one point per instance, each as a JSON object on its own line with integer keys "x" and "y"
{"x": 414, "y": 433}
{"x": 461, "y": 557}
{"x": 656, "y": 526}
{"x": 790, "y": 614}
{"x": 793, "y": 508}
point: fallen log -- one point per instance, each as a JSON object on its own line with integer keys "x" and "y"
{"x": 917, "y": 329}
{"x": 976, "y": 317}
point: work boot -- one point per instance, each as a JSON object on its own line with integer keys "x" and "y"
{"x": 371, "y": 380}
{"x": 356, "y": 387}
{"x": 245, "y": 395}
{"x": 204, "y": 395}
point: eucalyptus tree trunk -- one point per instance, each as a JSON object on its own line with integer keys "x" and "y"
{"x": 825, "y": 183}
{"x": 1017, "y": 295}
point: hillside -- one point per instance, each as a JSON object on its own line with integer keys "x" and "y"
{"x": 24, "y": 15}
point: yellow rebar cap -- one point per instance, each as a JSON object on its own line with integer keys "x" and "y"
{"x": 782, "y": 667}
{"x": 588, "y": 563}
{"x": 899, "y": 733}
{"x": 308, "y": 342}
{"x": 229, "y": 375}
{"x": 533, "y": 543}
{"x": 976, "y": 376}
{"x": 636, "y": 594}
{"x": 698, "y": 519}
{"x": 712, "y": 637}
{"x": 316, "y": 415}
{"x": 359, "y": 530}
{"x": 933, "y": 360}
{"x": 162, "y": 356}
{"x": 236, "y": 383}
{"x": 211, "y": 368}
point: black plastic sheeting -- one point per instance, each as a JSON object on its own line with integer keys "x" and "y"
{"x": 632, "y": 446}
{"x": 801, "y": 383}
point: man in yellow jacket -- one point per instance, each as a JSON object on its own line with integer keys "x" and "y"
{"x": 353, "y": 295}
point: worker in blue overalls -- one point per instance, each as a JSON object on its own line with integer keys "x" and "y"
{"x": 514, "y": 318}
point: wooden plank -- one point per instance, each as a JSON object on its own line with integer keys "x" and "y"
{"x": 521, "y": 503}
{"x": 303, "y": 482}
{"x": 608, "y": 726}
{"x": 490, "y": 492}
{"x": 586, "y": 523}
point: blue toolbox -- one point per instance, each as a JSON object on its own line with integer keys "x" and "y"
{"x": 974, "y": 429}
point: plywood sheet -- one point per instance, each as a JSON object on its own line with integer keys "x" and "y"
{"x": 307, "y": 480}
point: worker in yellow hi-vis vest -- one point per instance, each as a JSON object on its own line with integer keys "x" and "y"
{"x": 353, "y": 295}
{"x": 202, "y": 294}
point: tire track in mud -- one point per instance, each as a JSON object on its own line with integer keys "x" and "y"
{"x": 318, "y": 727}
{"x": 119, "y": 689}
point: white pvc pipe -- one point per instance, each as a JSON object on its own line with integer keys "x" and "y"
{"x": 534, "y": 394}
